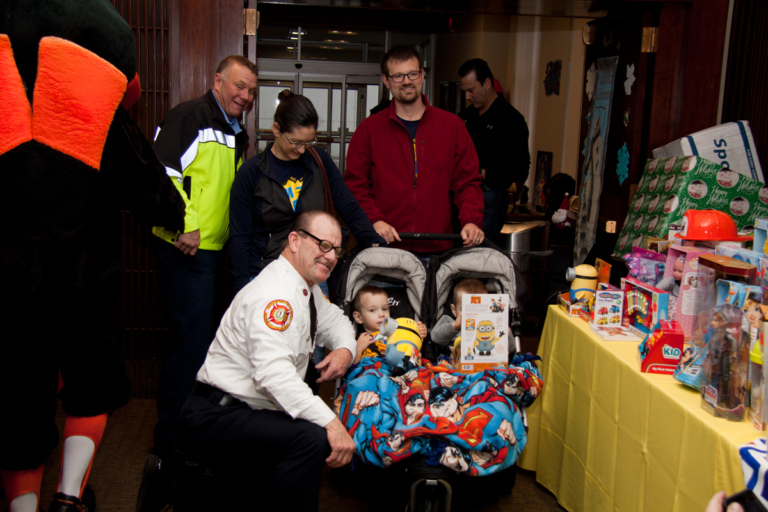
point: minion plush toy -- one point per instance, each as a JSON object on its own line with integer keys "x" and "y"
{"x": 70, "y": 160}
{"x": 403, "y": 344}
{"x": 584, "y": 282}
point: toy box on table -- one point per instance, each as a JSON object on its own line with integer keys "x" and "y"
{"x": 724, "y": 372}
{"x": 753, "y": 257}
{"x": 614, "y": 333}
{"x": 608, "y": 305}
{"x": 581, "y": 308}
{"x": 681, "y": 280}
{"x": 761, "y": 234}
{"x": 758, "y": 399}
{"x": 671, "y": 186}
{"x": 644, "y": 306}
{"x": 484, "y": 331}
{"x": 661, "y": 349}
{"x": 716, "y": 267}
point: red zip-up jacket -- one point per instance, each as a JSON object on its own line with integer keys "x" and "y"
{"x": 414, "y": 194}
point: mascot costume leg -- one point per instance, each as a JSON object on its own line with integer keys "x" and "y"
{"x": 70, "y": 160}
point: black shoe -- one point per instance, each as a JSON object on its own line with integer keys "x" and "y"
{"x": 66, "y": 503}
{"x": 157, "y": 484}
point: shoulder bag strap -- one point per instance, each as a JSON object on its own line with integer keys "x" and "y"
{"x": 327, "y": 188}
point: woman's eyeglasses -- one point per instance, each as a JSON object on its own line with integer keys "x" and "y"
{"x": 299, "y": 143}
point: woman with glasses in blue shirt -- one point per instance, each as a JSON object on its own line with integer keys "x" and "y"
{"x": 273, "y": 187}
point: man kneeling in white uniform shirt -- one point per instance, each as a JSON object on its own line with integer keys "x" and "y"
{"x": 251, "y": 419}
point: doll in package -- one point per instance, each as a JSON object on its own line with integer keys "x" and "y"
{"x": 710, "y": 323}
{"x": 724, "y": 384}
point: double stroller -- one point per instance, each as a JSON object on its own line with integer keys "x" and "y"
{"x": 394, "y": 420}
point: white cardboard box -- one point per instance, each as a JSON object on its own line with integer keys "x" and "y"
{"x": 484, "y": 331}
{"x": 729, "y": 144}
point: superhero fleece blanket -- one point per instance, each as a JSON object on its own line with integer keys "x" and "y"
{"x": 471, "y": 423}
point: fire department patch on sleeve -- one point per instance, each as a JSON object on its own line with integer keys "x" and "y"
{"x": 278, "y": 315}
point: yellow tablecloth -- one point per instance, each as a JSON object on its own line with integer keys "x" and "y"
{"x": 605, "y": 437}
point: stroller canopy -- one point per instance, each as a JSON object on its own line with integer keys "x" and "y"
{"x": 387, "y": 262}
{"x": 479, "y": 263}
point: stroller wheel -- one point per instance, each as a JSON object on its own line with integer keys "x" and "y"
{"x": 430, "y": 495}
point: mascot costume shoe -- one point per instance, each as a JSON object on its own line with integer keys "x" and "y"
{"x": 70, "y": 160}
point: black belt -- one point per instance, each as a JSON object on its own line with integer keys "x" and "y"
{"x": 214, "y": 395}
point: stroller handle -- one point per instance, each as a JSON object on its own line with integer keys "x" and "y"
{"x": 431, "y": 236}
{"x": 452, "y": 237}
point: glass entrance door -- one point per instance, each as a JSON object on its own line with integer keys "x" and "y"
{"x": 325, "y": 84}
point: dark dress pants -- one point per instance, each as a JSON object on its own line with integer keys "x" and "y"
{"x": 189, "y": 287}
{"x": 496, "y": 204}
{"x": 263, "y": 460}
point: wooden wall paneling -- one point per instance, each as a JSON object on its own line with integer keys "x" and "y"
{"x": 704, "y": 56}
{"x": 745, "y": 95}
{"x": 638, "y": 139}
{"x": 202, "y": 33}
{"x": 689, "y": 57}
{"x": 667, "y": 89}
{"x": 142, "y": 318}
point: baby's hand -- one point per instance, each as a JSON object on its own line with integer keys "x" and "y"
{"x": 363, "y": 341}
{"x": 422, "y": 330}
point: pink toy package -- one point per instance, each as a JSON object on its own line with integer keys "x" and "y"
{"x": 683, "y": 280}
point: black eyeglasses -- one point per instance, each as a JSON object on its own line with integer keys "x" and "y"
{"x": 325, "y": 245}
{"x": 399, "y": 77}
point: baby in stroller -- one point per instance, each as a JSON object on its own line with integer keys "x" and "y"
{"x": 369, "y": 309}
{"x": 447, "y": 329}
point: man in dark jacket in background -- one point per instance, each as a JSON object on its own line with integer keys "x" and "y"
{"x": 500, "y": 134}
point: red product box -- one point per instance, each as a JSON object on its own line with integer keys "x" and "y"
{"x": 661, "y": 350}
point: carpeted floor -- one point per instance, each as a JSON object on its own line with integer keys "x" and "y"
{"x": 116, "y": 477}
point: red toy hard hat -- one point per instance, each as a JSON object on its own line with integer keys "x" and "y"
{"x": 710, "y": 225}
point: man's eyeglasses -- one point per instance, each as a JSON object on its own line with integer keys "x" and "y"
{"x": 399, "y": 77}
{"x": 325, "y": 245}
{"x": 299, "y": 143}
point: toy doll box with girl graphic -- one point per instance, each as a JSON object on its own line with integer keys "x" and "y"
{"x": 484, "y": 331}
{"x": 644, "y": 306}
{"x": 671, "y": 186}
{"x": 683, "y": 281}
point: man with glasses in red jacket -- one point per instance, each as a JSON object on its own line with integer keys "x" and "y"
{"x": 409, "y": 162}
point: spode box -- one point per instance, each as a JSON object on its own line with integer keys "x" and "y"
{"x": 671, "y": 186}
{"x": 729, "y": 144}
